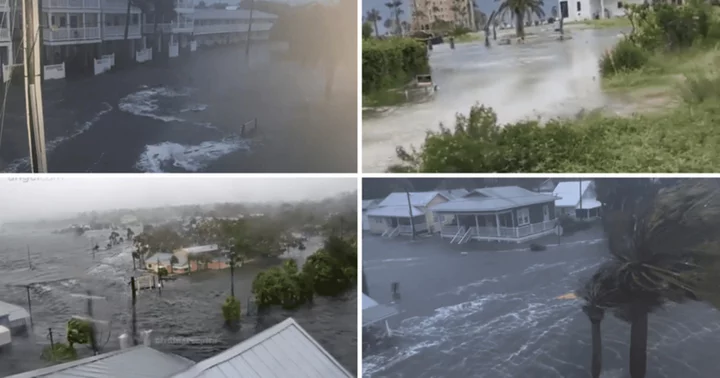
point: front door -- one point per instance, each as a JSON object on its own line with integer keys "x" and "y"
{"x": 392, "y": 222}
{"x": 564, "y": 9}
{"x": 546, "y": 213}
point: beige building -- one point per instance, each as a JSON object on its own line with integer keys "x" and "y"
{"x": 426, "y": 12}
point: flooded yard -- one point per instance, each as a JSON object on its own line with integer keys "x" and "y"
{"x": 539, "y": 79}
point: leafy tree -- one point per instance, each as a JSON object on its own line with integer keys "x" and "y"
{"x": 520, "y": 10}
{"x": 162, "y": 272}
{"x": 367, "y": 30}
{"x": 231, "y": 310}
{"x": 373, "y": 16}
{"x": 78, "y": 332}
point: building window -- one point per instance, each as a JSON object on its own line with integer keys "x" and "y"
{"x": 620, "y": 5}
{"x": 523, "y": 216}
{"x": 579, "y": 7}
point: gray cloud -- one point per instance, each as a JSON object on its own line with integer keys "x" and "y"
{"x": 39, "y": 198}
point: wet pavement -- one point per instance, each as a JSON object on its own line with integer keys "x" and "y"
{"x": 186, "y": 116}
{"x": 494, "y": 314}
{"x": 539, "y": 79}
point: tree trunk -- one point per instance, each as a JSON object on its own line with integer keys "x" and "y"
{"x": 638, "y": 343}
{"x": 519, "y": 25}
{"x": 596, "y": 366}
{"x": 377, "y": 33}
{"x": 232, "y": 277}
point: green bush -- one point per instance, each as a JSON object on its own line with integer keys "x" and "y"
{"x": 231, "y": 310}
{"x": 59, "y": 352}
{"x": 625, "y": 56}
{"x": 681, "y": 140}
{"x": 668, "y": 26}
{"x": 78, "y": 331}
{"x": 391, "y": 63}
{"x": 284, "y": 286}
{"x": 699, "y": 88}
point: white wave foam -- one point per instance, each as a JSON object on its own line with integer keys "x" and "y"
{"x": 190, "y": 158}
{"x": 16, "y": 164}
{"x": 194, "y": 108}
{"x": 143, "y": 103}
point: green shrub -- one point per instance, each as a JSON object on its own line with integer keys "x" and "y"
{"x": 625, "y": 56}
{"x": 392, "y": 62}
{"x": 668, "y": 26}
{"x": 231, "y": 310}
{"x": 59, "y": 352}
{"x": 78, "y": 331}
{"x": 701, "y": 87}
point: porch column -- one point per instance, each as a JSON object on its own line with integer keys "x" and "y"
{"x": 477, "y": 224}
{"x": 602, "y": 9}
{"x": 497, "y": 223}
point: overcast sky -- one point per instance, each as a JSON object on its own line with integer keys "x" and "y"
{"x": 48, "y": 198}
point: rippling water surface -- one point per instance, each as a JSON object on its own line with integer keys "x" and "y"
{"x": 189, "y": 307}
{"x": 495, "y": 315}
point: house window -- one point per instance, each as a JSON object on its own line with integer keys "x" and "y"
{"x": 620, "y": 5}
{"x": 523, "y": 216}
{"x": 579, "y": 7}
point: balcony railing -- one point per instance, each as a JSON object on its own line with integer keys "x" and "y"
{"x": 184, "y": 4}
{"x": 419, "y": 227}
{"x": 171, "y": 27}
{"x": 71, "y": 34}
{"x": 118, "y": 5}
{"x": 4, "y": 3}
{"x": 71, "y": 4}
{"x": 217, "y": 29}
{"x": 4, "y": 35}
{"x": 119, "y": 31}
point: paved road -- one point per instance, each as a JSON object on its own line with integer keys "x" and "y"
{"x": 495, "y": 315}
{"x": 519, "y": 81}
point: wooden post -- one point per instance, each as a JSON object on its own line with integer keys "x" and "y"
{"x": 27, "y": 288}
{"x": 249, "y": 35}
{"x": 32, "y": 43}
{"x": 93, "y": 340}
{"x": 134, "y": 314}
{"x": 52, "y": 343}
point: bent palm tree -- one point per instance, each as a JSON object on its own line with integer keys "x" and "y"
{"x": 519, "y": 10}
{"x": 664, "y": 249}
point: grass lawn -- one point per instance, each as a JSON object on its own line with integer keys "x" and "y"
{"x": 604, "y": 23}
{"x": 387, "y": 97}
{"x": 469, "y": 37}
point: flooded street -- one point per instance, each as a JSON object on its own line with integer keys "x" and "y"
{"x": 496, "y": 315}
{"x": 538, "y": 79}
{"x": 189, "y": 307}
{"x": 186, "y": 116}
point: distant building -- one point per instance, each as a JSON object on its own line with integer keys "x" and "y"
{"x": 593, "y": 9}
{"x": 200, "y": 257}
{"x": 426, "y": 12}
{"x": 577, "y": 199}
{"x": 128, "y": 220}
{"x": 160, "y": 260}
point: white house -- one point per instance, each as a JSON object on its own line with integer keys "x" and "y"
{"x": 577, "y": 199}
{"x": 392, "y": 216}
{"x": 368, "y": 205}
{"x": 579, "y": 10}
{"x": 502, "y": 214}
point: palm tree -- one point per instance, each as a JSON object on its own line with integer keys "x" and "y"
{"x": 664, "y": 248}
{"x": 519, "y": 10}
{"x": 373, "y": 15}
{"x": 395, "y": 12}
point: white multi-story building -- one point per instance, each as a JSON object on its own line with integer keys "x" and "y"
{"x": 220, "y": 26}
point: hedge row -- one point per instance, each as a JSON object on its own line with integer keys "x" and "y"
{"x": 392, "y": 62}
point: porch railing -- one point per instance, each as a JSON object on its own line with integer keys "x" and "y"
{"x": 119, "y": 31}
{"x": 458, "y": 232}
{"x": 4, "y": 35}
{"x": 420, "y": 227}
{"x": 71, "y": 34}
{"x": 71, "y": 4}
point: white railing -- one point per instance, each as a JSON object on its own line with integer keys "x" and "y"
{"x": 4, "y": 3}
{"x": 389, "y": 233}
{"x": 71, "y": 34}
{"x": 181, "y": 26}
{"x": 193, "y": 45}
{"x": 4, "y": 34}
{"x": 174, "y": 51}
{"x": 467, "y": 236}
{"x": 167, "y": 28}
{"x": 458, "y": 234}
{"x": 407, "y": 229}
{"x": 514, "y": 232}
{"x": 257, "y": 27}
{"x": 54, "y": 71}
{"x": 449, "y": 230}
{"x": 102, "y": 65}
{"x": 118, "y": 5}
{"x": 71, "y": 4}
{"x": 184, "y": 4}
{"x": 535, "y": 228}
{"x": 119, "y": 31}
{"x": 110, "y": 57}
{"x": 143, "y": 56}
{"x": 161, "y": 28}
{"x": 8, "y": 69}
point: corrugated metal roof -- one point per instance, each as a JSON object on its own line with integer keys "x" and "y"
{"x": 394, "y": 211}
{"x": 224, "y": 14}
{"x": 367, "y": 204}
{"x": 493, "y": 199}
{"x": 569, "y": 192}
{"x": 419, "y": 199}
{"x": 282, "y": 351}
{"x": 374, "y": 312}
{"x": 14, "y": 312}
{"x": 202, "y": 248}
{"x": 368, "y": 302}
{"x": 454, "y": 193}
{"x": 135, "y": 362}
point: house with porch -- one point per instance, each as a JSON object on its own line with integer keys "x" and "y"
{"x": 580, "y": 10}
{"x": 500, "y": 214}
{"x": 392, "y": 215}
{"x": 577, "y": 199}
{"x": 366, "y": 206}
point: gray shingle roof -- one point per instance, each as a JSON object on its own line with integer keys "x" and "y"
{"x": 282, "y": 351}
{"x": 420, "y": 199}
{"x": 494, "y": 199}
{"x": 135, "y": 362}
{"x": 394, "y": 211}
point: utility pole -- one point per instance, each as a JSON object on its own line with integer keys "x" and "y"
{"x": 93, "y": 339}
{"x": 29, "y": 260}
{"x": 581, "y": 193}
{"x": 32, "y": 43}
{"x": 412, "y": 221}
{"x": 249, "y": 33}
{"x": 134, "y": 313}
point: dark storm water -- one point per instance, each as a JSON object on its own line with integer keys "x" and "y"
{"x": 495, "y": 314}
{"x": 188, "y": 308}
{"x": 186, "y": 115}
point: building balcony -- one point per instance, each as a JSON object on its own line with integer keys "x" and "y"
{"x": 72, "y": 35}
{"x": 118, "y": 32}
{"x": 117, "y": 6}
{"x": 184, "y": 6}
{"x": 4, "y": 4}
{"x": 219, "y": 29}
{"x": 71, "y": 4}
{"x": 173, "y": 27}
{"x": 4, "y": 35}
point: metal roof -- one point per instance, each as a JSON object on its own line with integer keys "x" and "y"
{"x": 135, "y": 362}
{"x": 493, "y": 199}
{"x": 373, "y": 312}
{"x": 202, "y": 249}
{"x": 419, "y": 199}
{"x": 569, "y": 192}
{"x": 282, "y": 351}
{"x": 394, "y": 211}
{"x": 224, "y": 14}
{"x": 367, "y": 204}
{"x": 14, "y": 312}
